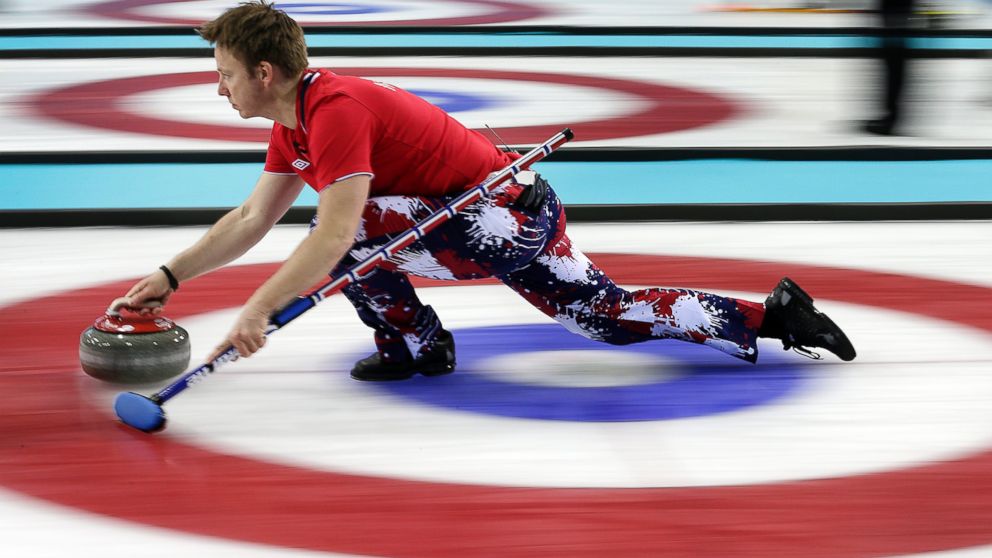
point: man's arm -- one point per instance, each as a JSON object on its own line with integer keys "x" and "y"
{"x": 229, "y": 238}
{"x": 339, "y": 214}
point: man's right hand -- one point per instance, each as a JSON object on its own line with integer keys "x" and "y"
{"x": 149, "y": 295}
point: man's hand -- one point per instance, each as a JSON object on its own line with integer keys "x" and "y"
{"x": 149, "y": 295}
{"x": 339, "y": 212}
{"x": 247, "y": 335}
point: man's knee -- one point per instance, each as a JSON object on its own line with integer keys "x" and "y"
{"x": 595, "y": 328}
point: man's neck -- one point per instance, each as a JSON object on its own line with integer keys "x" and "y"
{"x": 284, "y": 105}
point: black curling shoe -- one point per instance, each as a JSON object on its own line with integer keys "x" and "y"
{"x": 437, "y": 361}
{"x": 801, "y": 325}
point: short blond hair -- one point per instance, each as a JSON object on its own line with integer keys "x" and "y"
{"x": 256, "y": 32}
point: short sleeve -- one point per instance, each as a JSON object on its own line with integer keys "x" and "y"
{"x": 275, "y": 162}
{"x": 342, "y": 133}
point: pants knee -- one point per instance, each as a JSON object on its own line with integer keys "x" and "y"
{"x": 597, "y": 331}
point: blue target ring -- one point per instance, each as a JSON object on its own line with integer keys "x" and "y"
{"x": 710, "y": 382}
{"x": 329, "y": 8}
{"x": 451, "y": 101}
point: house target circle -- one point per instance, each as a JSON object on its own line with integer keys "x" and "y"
{"x": 489, "y": 11}
{"x": 168, "y": 483}
{"x": 99, "y": 105}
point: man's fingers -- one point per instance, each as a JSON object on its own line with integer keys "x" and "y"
{"x": 134, "y": 290}
{"x": 221, "y": 349}
{"x": 146, "y": 307}
{"x": 151, "y": 288}
{"x": 148, "y": 311}
{"x": 246, "y": 345}
{"x": 253, "y": 344}
{"x": 138, "y": 298}
{"x": 218, "y": 350}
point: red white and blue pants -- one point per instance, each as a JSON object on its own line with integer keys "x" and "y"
{"x": 530, "y": 253}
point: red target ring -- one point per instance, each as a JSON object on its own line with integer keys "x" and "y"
{"x": 666, "y": 108}
{"x": 497, "y": 12}
{"x": 56, "y": 447}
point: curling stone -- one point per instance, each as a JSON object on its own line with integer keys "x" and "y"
{"x": 133, "y": 349}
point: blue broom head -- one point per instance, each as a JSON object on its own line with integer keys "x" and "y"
{"x": 138, "y": 411}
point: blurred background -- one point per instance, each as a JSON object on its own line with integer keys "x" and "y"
{"x": 719, "y": 146}
{"x": 816, "y": 106}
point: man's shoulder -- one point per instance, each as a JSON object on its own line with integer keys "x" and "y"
{"x": 334, "y": 84}
{"x": 344, "y": 96}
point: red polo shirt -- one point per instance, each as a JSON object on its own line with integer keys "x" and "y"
{"x": 349, "y": 125}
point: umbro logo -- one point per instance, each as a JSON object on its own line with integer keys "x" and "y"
{"x": 300, "y": 164}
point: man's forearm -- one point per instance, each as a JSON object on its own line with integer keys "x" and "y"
{"x": 339, "y": 209}
{"x": 229, "y": 238}
{"x": 312, "y": 260}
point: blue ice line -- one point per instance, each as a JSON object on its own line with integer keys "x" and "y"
{"x": 493, "y": 40}
{"x": 177, "y": 185}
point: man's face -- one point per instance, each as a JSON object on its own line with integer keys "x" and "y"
{"x": 241, "y": 87}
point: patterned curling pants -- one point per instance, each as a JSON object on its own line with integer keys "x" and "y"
{"x": 529, "y": 252}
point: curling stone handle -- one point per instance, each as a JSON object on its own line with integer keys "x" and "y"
{"x": 124, "y": 302}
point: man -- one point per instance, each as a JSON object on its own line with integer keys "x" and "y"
{"x": 896, "y": 17}
{"x": 381, "y": 159}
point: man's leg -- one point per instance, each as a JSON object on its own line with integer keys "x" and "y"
{"x": 486, "y": 239}
{"x": 564, "y": 284}
{"x": 409, "y": 337}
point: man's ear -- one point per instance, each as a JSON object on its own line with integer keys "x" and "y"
{"x": 265, "y": 72}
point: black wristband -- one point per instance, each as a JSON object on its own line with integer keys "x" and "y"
{"x": 173, "y": 282}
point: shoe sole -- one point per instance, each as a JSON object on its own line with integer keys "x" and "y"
{"x": 789, "y": 287}
{"x": 429, "y": 371}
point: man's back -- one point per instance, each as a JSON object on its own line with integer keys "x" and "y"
{"x": 350, "y": 125}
